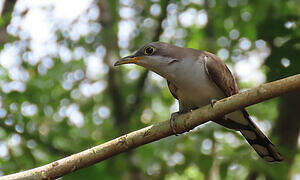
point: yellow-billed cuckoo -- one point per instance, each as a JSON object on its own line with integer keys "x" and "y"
{"x": 197, "y": 78}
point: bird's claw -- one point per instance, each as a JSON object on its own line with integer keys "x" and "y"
{"x": 172, "y": 122}
{"x": 213, "y": 102}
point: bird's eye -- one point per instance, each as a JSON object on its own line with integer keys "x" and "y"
{"x": 149, "y": 50}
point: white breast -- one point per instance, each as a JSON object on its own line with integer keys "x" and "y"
{"x": 194, "y": 86}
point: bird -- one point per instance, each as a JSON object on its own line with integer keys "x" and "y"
{"x": 198, "y": 78}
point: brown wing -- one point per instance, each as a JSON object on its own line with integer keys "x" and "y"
{"x": 173, "y": 89}
{"x": 219, "y": 73}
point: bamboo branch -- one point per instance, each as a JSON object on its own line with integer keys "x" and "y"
{"x": 160, "y": 130}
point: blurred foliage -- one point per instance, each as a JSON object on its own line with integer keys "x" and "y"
{"x": 72, "y": 99}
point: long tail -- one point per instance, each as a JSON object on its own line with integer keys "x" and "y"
{"x": 260, "y": 143}
{"x": 242, "y": 122}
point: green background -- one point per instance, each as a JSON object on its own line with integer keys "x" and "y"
{"x": 133, "y": 98}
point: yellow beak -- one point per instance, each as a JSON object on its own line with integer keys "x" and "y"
{"x": 127, "y": 60}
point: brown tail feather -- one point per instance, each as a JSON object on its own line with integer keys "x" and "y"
{"x": 255, "y": 137}
{"x": 260, "y": 143}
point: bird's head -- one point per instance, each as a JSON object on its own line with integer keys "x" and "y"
{"x": 155, "y": 56}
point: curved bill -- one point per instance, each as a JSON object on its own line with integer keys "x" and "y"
{"x": 127, "y": 60}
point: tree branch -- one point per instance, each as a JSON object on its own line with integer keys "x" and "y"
{"x": 7, "y": 10}
{"x": 160, "y": 130}
{"x": 110, "y": 42}
{"x": 142, "y": 79}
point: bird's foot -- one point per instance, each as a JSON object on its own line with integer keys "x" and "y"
{"x": 213, "y": 102}
{"x": 172, "y": 122}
